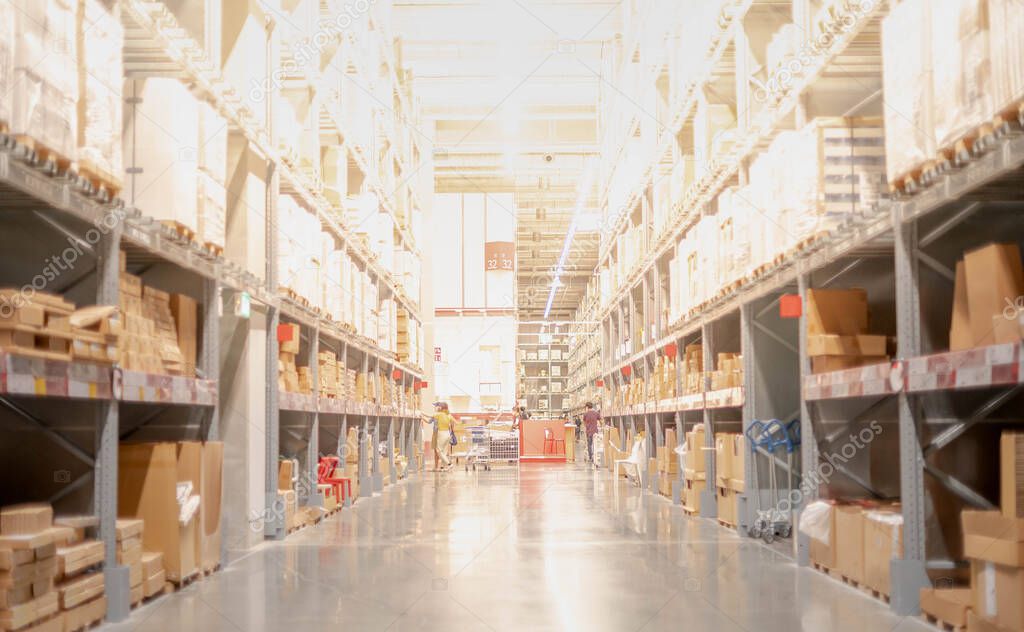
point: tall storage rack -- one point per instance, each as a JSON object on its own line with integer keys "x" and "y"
{"x": 901, "y": 250}
{"x": 86, "y": 409}
{"x": 543, "y": 361}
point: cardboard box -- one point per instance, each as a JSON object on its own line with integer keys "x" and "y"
{"x": 1011, "y": 474}
{"x": 978, "y": 624}
{"x": 883, "y": 542}
{"x": 947, "y": 604}
{"x": 992, "y": 537}
{"x": 996, "y": 593}
{"x": 824, "y": 553}
{"x": 210, "y": 495}
{"x": 727, "y": 509}
{"x": 147, "y": 487}
{"x": 74, "y": 559}
{"x": 843, "y": 312}
{"x": 692, "y": 490}
{"x": 738, "y": 468}
{"x": 25, "y": 519}
{"x": 288, "y": 337}
{"x": 723, "y": 458}
{"x": 849, "y": 521}
{"x": 285, "y": 474}
{"x": 152, "y": 563}
{"x": 836, "y": 345}
{"x": 960, "y": 325}
{"x": 154, "y": 584}
{"x": 186, "y": 324}
{"x": 695, "y": 450}
{"x": 994, "y": 275}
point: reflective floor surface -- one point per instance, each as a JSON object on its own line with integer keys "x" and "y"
{"x": 542, "y": 547}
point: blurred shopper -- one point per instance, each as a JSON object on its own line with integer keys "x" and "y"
{"x": 591, "y": 418}
{"x": 444, "y": 427}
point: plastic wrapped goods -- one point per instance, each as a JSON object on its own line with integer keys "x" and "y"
{"x": 44, "y": 82}
{"x": 160, "y": 143}
{"x": 1006, "y": 22}
{"x": 100, "y": 40}
{"x": 961, "y": 68}
{"x": 906, "y": 52}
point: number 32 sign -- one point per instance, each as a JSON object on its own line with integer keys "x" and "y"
{"x": 499, "y": 256}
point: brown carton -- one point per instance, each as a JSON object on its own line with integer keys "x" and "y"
{"x": 836, "y": 345}
{"x": 997, "y": 592}
{"x": 185, "y": 313}
{"x": 849, "y": 521}
{"x": 994, "y": 276}
{"x": 824, "y": 553}
{"x": 992, "y": 537}
{"x": 842, "y": 312}
{"x": 883, "y": 542}
{"x": 210, "y": 494}
{"x": 960, "y": 325}
{"x": 947, "y": 604}
{"x": 25, "y": 519}
{"x": 1011, "y": 474}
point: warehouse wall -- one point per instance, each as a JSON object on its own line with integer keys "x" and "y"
{"x": 464, "y": 365}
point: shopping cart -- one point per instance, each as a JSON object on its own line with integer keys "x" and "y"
{"x": 503, "y": 445}
{"x": 479, "y": 451}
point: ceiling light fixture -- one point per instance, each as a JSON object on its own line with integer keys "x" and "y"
{"x": 582, "y": 195}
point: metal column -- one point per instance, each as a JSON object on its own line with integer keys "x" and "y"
{"x": 273, "y": 526}
{"x": 908, "y": 575}
{"x": 808, "y": 442}
{"x": 313, "y": 498}
{"x": 709, "y": 497}
{"x": 107, "y": 433}
{"x": 744, "y": 517}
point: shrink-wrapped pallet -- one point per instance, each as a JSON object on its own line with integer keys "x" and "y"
{"x": 100, "y": 39}
{"x": 961, "y": 68}
{"x": 907, "y": 79}
{"x": 1006, "y": 21}
{"x": 160, "y": 142}
{"x": 211, "y": 210}
{"x": 44, "y": 81}
{"x": 213, "y": 143}
{"x": 7, "y": 43}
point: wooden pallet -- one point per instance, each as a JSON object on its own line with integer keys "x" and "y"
{"x": 182, "y": 230}
{"x": 726, "y": 524}
{"x": 182, "y": 582}
{"x": 1009, "y": 120}
{"x": 211, "y": 570}
{"x": 214, "y": 249}
{"x": 945, "y": 626}
{"x": 45, "y": 155}
{"x": 105, "y": 185}
{"x": 821, "y": 568}
{"x": 877, "y": 594}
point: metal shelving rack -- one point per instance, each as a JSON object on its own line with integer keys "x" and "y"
{"x": 535, "y": 376}
{"x": 902, "y": 250}
{"x": 52, "y": 396}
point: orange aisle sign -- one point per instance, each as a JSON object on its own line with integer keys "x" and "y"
{"x": 499, "y": 256}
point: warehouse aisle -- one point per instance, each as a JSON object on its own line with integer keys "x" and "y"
{"x": 545, "y": 548}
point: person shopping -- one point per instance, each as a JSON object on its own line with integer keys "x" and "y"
{"x": 590, "y": 421}
{"x": 441, "y": 436}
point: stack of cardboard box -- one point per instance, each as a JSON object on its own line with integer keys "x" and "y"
{"x": 694, "y": 470}
{"x": 729, "y": 373}
{"x": 158, "y": 332}
{"x": 693, "y": 369}
{"x": 665, "y": 378}
{"x": 862, "y": 540}
{"x": 668, "y": 463}
{"x": 128, "y": 533}
{"x": 328, "y": 374}
{"x": 837, "y": 331}
{"x": 80, "y": 582}
{"x": 156, "y": 306}
{"x": 28, "y": 568}
{"x": 184, "y": 528}
{"x": 289, "y": 377}
{"x": 988, "y": 281}
{"x": 994, "y": 544}
{"x": 730, "y": 453}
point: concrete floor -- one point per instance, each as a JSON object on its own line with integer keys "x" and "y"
{"x": 545, "y": 547}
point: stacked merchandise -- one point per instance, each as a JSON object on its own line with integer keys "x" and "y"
{"x": 694, "y": 470}
{"x": 295, "y": 517}
{"x": 949, "y": 69}
{"x": 668, "y": 463}
{"x": 211, "y": 214}
{"x": 664, "y": 378}
{"x": 837, "y": 331}
{"x": 729, "y": 474}
{"x": 992, "y": 543}
{"x": 729, "y": 373}
{"x": 987, "y": 280}
{"x": 151, "y": 339}
{"x": 47, "y": 324}
{"x": 39, "y": 103}
{"x": 290, "y": 378}
{"x": 329, "y": 375}
{"x": 129, "y": 554}
{"x": 80, "y": 581}
{"x": 28, "y": 568}
{"x": 174, "y": 488}
{"x": 352, "y": 460}
{"x": 298, "y": 264}
{"x": 100, "y": 39}
{"x": 693, "y": 369}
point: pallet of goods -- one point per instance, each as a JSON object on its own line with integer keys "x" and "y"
{"x": 100, "y": 40}
{"x": 988, "y": 280}
{"x": 837, "y": 331}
